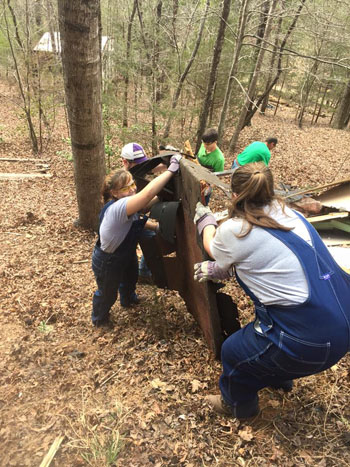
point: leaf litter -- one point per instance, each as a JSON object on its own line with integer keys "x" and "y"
{"x": 135, "y": 395}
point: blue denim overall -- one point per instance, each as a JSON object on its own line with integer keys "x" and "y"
{"x": 289, "y": 342}
{"x": 111, "y": 269}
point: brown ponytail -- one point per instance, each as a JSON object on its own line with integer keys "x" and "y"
{"x": 253, "y": 185}
{"x": 114, "y": 181}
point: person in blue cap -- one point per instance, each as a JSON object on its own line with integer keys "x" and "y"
{"x": 114, "y": 259}
{"x": 301, "y": 295}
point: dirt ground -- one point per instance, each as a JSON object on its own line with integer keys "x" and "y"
{"x": 133, "y": 396}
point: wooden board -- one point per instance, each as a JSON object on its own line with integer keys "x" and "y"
{"x": 215, "y": 312}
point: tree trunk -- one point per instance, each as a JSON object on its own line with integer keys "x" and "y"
{"x": 213, "y": 72}
{"x": 321, "y": 105}
{"x": 80, "y": 28}
{"x": 305, "y": 92}
{"x": 340, "y": 119}
{"x": 271, "y": 68}
{"x": 127, "y": 57}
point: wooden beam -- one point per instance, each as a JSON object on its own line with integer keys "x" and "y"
{"x": 18, "y": 159}
{"x": 9, "y": 176}
{"x": 52, "y": 451}
{"x": 327, "y": 217}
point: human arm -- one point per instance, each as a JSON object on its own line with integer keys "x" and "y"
{"x": 140, "y": 200}
{"x": 206, "y": 225}
{"x": 150, "y": 204}
{"x": 152, "y": 225}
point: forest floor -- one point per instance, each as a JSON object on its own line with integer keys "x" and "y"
{"x": 134, "y": 396}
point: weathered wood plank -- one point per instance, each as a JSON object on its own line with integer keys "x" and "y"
{"x": 19, "y": 176}
{"x": 19, "y": 159}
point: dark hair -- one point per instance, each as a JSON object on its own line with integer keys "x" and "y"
{"x": 272, "y": 140}
{"x": 114, "y": 181}
{"x": 210, "y": 135}
{"x": 253, "y": 185}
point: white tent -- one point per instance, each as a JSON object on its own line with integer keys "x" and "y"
{"x": 45, "y": 43}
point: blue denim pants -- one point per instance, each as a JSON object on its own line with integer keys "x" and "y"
{"x": 251, "y": 362}
{"x": 110, "y": 270}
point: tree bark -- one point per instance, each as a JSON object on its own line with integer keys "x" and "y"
{"x": 127, "y": 57}
{"x": 213, "y": 72}
{"x": 341, "y": 115}
{"x": 80, "y": 28}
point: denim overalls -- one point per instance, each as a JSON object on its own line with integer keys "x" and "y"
{"x": 288, "y": 342}
{"x": 111, "y": 269}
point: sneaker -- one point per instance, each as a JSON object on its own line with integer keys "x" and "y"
{"x": 286, "y": 386}
{"x": 145, "y": 277}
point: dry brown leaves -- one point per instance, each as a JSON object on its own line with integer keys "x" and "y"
{"x": 139, "y": 388}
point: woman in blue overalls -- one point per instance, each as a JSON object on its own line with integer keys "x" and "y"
{"x": 114, "y": 259}
{"x": 301, "y": 295}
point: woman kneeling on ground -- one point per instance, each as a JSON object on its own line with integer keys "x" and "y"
{"x": 114, "y": 258}
{"x": 301, "y": 295}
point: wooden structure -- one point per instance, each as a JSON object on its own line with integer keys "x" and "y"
{"x": 172, "y": 254}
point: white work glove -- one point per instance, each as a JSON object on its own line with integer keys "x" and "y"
{"x": 210, "y": 271}
{"x": 174, "y": 163}
{"x": 203, "y": 217}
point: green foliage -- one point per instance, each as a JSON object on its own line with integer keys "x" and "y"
{"x": 104, "y": 451}
{"x": 44, "y": 327}
{"x": 66, "y": 153}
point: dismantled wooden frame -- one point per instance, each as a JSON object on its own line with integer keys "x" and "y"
{"x": 171, "y": 259}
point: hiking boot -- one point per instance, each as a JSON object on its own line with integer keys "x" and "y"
{"x": 103, "y": 324}
{"x": 241, "y": 411}
{"x": 217, "y": 403}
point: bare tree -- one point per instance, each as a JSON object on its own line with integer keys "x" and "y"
{"x": 80, "y": 28}
{"x": 243, "y": 17}
{"x": 253, "y": 82}
{"x": 23, "y": 82}
{"x": 186, "y": 71}
{"x": 279, "y": 70}
{"x": 127, "y": 57}
{"x": 203, "y": 118}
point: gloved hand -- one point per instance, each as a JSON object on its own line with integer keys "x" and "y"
{"x": 210, "y": 271}
{"x": 174, "y": 163}
{"x": 203, "y": 217}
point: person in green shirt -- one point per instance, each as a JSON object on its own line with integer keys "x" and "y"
{"x": 209, "y": 154}
{"x": 255, "y": 152}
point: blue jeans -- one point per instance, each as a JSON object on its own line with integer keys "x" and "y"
{"x": 110, "y": 271}
{"x": 251, "y": 362}
{"x": 234, "y": 164}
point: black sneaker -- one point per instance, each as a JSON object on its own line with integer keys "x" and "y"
{"x": 286, "y": 386}
{"x": 133, "y": 300}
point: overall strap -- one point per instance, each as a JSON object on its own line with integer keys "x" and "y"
{"x": 101, "y": 216}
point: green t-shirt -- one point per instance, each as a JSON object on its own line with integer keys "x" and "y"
{"x": 213, "y": 160}
{"x": 255, "y": 152}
